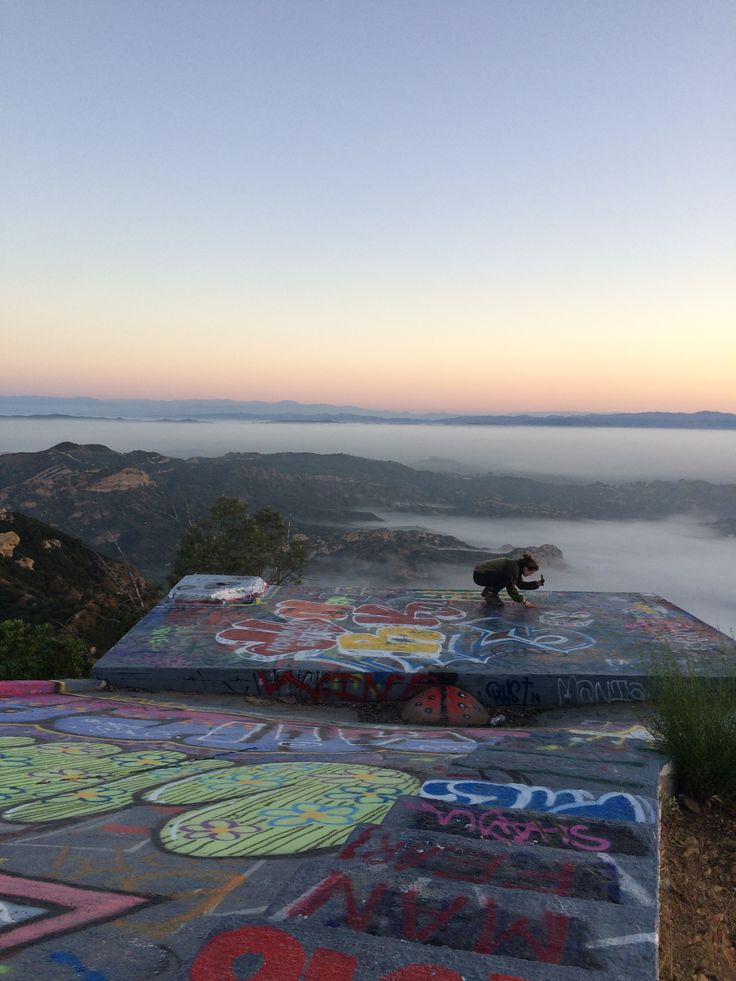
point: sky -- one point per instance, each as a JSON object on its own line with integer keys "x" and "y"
{"x": 465, "y": 206}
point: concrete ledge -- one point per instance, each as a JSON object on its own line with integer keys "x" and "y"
{"x": 357, "y": 646}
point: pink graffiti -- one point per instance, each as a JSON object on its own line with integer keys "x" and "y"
{"x": 77, "y": 907}
{"x": 265, "y": 638}
{"x": 417, "y": 614}
{"x": 297, "y": 609}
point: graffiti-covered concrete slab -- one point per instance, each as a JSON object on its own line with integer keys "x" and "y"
{"x": 358, "y": 646}
{"x": 474, "y": 896}
{"x": 141, "y": 840}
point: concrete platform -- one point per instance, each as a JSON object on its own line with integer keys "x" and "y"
{"x": 357, "y": 645}
{"x": 141, "y": 840}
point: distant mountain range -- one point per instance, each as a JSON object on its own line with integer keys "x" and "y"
{"x": 213, "y": 410}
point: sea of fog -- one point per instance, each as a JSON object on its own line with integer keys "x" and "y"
{"x": 678, "y": 559}
{"x": 675, "y": 558}
{"x": 613, "y": 455}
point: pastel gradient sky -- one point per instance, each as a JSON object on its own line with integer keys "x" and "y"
{"x": 467, "y": 205}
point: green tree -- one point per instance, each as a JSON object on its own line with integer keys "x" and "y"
{"x": 229, "y": 541}
{"x": 36, "y": 651}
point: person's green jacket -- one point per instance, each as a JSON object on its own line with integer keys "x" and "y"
{"x": 509, "y": 576}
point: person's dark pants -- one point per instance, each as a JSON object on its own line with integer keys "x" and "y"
{"x": 491, "y": 583}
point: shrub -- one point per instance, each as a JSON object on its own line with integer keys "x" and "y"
{"x": 229, "y": 541}
{"x": 37, "y": 651}
{"x": 693, "y": 721}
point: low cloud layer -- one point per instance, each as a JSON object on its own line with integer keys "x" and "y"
{"x": 676, "y": 559}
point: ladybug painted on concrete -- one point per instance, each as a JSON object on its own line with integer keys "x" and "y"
{"x": 444, "y": 705}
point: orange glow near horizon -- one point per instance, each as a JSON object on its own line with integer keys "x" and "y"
{"x": 447, "y": 360}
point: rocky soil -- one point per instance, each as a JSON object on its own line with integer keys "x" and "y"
{"x": 698, "y": 893}
{"x": 47, "y": 576}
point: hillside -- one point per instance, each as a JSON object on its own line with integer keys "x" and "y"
{"x": 139, "y": 503}
{"x": 47, "y": 576}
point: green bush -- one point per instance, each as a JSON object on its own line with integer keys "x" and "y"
{"x": 693, "y": 721}
{"x": 36, "y": 651}
{"x": 231, "y": 542}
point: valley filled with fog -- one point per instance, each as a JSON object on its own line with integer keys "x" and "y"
{"x": 676, "y": 559}
{"x": 679, "y": 559}
{"x": 611, "y": 455}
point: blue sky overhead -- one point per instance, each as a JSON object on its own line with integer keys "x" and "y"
{"x": 418, "y": 205}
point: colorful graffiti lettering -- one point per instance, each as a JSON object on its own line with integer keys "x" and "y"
{"x": 513, "y": 828}
{"x": 584, "y": 691}
{"x": 282, "y": 957}
{"x": 496, "y": 636}
{"x": 263, "y": 640}
{"x": 393, "y": 642}
{"x": 297, "y": 609}
{"x": 481, "y": 925}
{"x": 613, "y": 806}
{"x": 564, "y": 618}
{"x": 418, "y": 614}
{"x": 217, "y": 731}
{"x": 521, "y": 870}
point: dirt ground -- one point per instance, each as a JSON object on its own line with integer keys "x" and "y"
{"x": 698, "y": 893}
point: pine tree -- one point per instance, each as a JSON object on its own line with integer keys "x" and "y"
{"x": 231, "y": 542}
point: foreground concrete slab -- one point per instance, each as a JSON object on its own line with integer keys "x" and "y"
{"x": 145, "y": 841}
{"x": 472, "y": 895}
{"x": 358, "y": 646}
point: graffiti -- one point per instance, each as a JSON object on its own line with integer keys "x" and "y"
{"x": 585, "y": 691}
{"x": 353, "y": 687}
{"x": 213, "y": 819}
{"x": 522, "y": 870}
{"x": 417, "y": 614}
{"x": 474, "y": 922}
{"x": 279, "y": 737}
{"x": 297, "y": 609}
{"x": 613, "y": 806}
{"x": 55, "y": 781}
{"x": 249, "y": 808}
{"x": 67, "y": 959}
{"x": 277, "y": 808}
{"x": 282, "y": 957}
{"x": 14, "y": 688}
{"x": 391, "y": 642}
{"x": 667, "y": 630}
{"x": 513, "y": 692}
{"x": 514, "y": 828}
{"x": 126, "y": 722}
{"x": 564, "y": 618}
{"x": 53, "y": 908}
{"x": 498, "y": 636}
{"x": 614, "y": 733}
{"x": 353, "y": 645}
{"x": 264, "y": 641}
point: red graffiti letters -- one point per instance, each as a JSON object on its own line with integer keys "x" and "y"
{"x": 283, "y": 958}
{"x": 267, "y": 638}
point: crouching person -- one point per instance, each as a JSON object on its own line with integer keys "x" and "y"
{"x": 497, "y": 574}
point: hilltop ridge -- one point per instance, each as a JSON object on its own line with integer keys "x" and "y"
{"x": 47, "y": 576}
{"x": 140, "y": 502}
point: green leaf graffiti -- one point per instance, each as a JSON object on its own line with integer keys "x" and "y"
{"x": 55, "y": 781}
{"x": 277, "y": 808}
{"x": 258, "y": 810}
